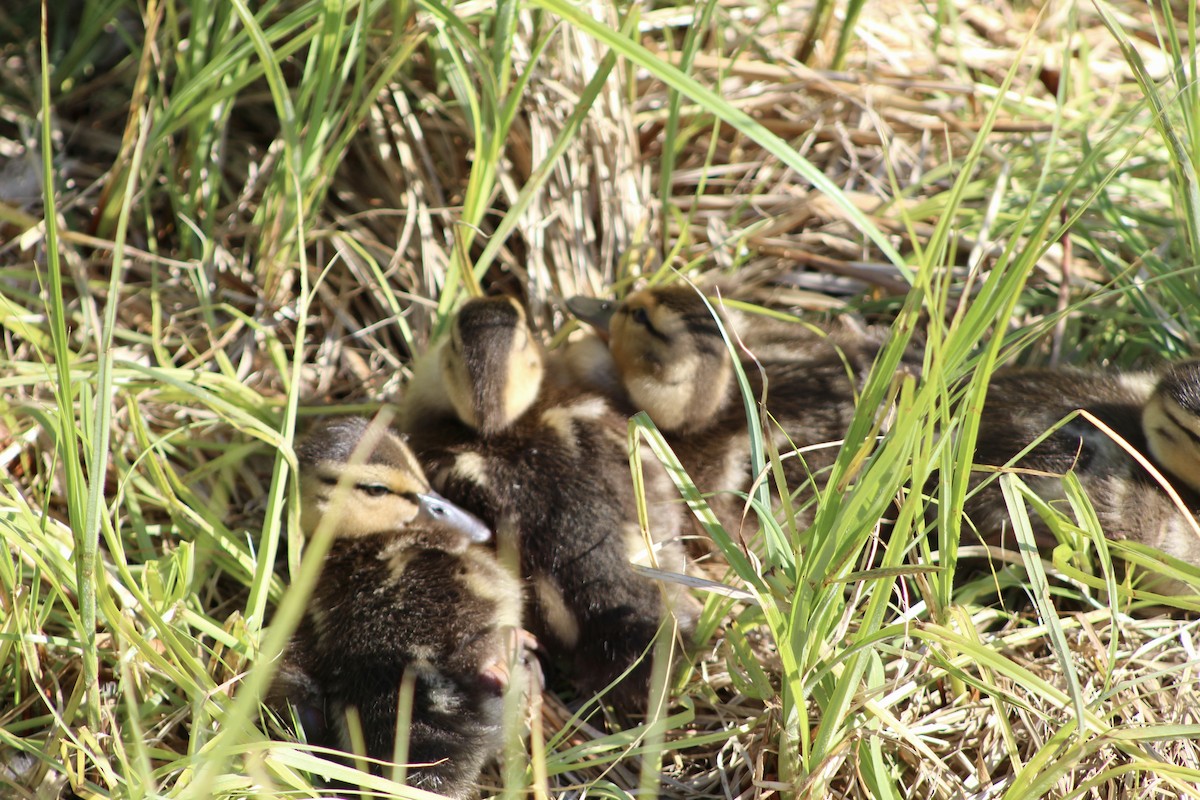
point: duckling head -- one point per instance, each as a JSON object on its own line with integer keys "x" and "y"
{"x": 371, "y": 480}
{"x": 668, "y": 352}
{"x": 492, "y": 366}
{"x": 1171, "y": 421}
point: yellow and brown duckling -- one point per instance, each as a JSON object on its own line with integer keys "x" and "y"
{"x": 1171, "y": 423}
{"x": 406, "y": 588}
{"x": 546, "y": 465}
{"x": 671, "y": 360}
{"x": 1157, "y": 413}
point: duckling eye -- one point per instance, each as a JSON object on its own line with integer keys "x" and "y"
{"x": 641, "y": 317}
{"x": 374, "y": 489}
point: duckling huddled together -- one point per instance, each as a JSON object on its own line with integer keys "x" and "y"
{"x": 406, "y": 591}
{"x": 546, "y": 465}
{"x": 526, "y": 532}
{"x": 1156, "y": 413}
{"x": 669, "y": 357}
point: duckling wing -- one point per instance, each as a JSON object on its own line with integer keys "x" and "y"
{"x": 1022, "y": 405}
{"x": 382, "y": 611}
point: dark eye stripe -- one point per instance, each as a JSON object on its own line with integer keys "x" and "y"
{"x": 1181, "y": 423}
{"x": 657, "y": 334}
{"x": 641, "y": 317}
{"x": 1165, "y": 433}
{"x": 701, "y": 323}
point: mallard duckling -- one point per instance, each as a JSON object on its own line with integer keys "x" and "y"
{"x": 405, "y": 589}
{"x": 1171, "y": 422}
{"x": 547, "y": 467}
{"x": 671, "y": 361}
{"x": 1158, "y": 415}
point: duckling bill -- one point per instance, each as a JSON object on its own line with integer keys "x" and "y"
{"x": 406, "y": 590}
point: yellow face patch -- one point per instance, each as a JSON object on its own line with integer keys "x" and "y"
{"x": 492, "y": 366}
{"x": 361, "y": 499}
{"x": 671, "y": 358}
{"x": 1173, "y": 434}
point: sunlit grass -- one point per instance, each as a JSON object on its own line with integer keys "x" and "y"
{"x": 263, "y": 211}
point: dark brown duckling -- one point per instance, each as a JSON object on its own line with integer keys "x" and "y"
{"x": 546, "y": 465}
{"x": 1157, "y": 413}
{"x": 406, "y": 588}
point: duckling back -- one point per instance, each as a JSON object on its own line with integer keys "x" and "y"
{"x": 387, "y": 606}
{"x": 1145, "y": 410}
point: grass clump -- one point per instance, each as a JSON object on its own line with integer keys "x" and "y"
{"x": 218, "y": 220}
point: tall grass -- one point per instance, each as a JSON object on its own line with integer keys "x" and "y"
{"x": 293, "y": 197}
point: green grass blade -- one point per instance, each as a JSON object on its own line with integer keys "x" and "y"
{"x": 66, "y": 434}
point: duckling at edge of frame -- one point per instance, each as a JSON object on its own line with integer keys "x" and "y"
{"x": 1157, "y": 413}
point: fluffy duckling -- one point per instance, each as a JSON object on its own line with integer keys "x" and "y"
{"x": 546, "y": 465}
{"x": 405, "y": 590}
{"x": 1171, "y": 422}
{"x": 1158, "y": 414}
{"x": 670, "y": 360}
